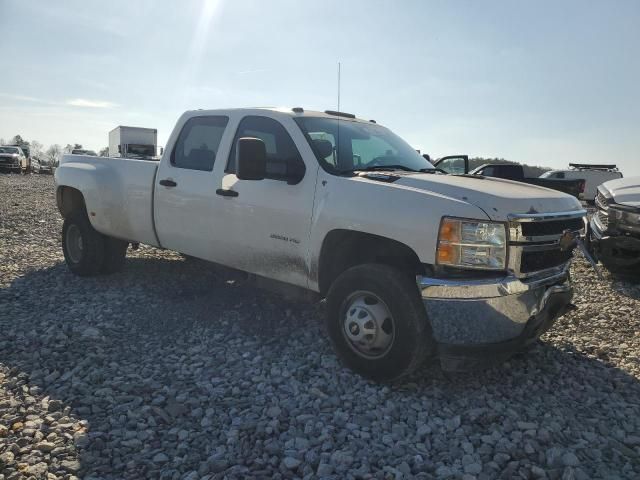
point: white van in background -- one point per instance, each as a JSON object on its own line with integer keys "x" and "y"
{"x": 594, "y": 176}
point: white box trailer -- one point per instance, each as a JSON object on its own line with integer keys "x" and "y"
{"x": 133, "y": 142}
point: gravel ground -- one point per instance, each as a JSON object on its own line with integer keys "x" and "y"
{"x": 174, "y": 370}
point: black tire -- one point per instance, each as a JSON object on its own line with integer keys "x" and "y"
{"x": 412, "y": 340}
{"x": 88, "y": 260}
{"x": 115, "y": 253}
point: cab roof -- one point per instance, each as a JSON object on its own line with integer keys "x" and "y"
{"x": 292, "y": 112}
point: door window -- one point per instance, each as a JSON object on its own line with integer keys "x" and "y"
{"x": 198, "y": 143}
{"x": 282, "y": 154}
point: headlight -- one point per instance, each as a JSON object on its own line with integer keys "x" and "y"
{"x": 472, "y": 244}
{"x": 618, "y": 215}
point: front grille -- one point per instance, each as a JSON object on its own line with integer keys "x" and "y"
{"x": 533, "y": 261}
{"x": 554, "y": 227}
{"x": 603, "y": 219}
{"x": 535, "y": 241}
{"x": 601, "y": 201}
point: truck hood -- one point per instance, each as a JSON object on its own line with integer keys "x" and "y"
{"x": 497, "y": 197}
{"x": 625, "y": 191}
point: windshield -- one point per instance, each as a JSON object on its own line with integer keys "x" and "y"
{"x": 344, "y": 146}
{"x": 141, "y": 150}
{"x": 8, "y": 150}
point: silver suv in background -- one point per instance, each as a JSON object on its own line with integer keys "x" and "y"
{"x": 615, "y": 227}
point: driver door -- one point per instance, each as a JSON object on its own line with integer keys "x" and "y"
{"x": 453, "y": 164}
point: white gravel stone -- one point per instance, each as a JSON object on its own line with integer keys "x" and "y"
{"x": 176, "y": 369}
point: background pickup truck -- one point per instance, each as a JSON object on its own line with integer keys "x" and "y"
{"x": 414, "y": 264}
{"x": 459, "y": 165}
{"x": 615, "y": 226}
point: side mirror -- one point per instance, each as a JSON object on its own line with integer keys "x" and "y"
{"x": 323, "y": 147}
{"x": 251, "y": 159}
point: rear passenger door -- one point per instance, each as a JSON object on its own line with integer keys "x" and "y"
{"x": 266, "y": 222}
{"x": 185, "y": 192}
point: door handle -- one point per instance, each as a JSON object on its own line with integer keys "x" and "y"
{"x": 168, "y": 183}
{"x": 226, "y": 193}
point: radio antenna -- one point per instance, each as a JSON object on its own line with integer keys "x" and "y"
{"x": 338, "y": 86}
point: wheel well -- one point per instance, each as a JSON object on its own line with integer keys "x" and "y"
{"x": 69, "y": 199}
{"x": 343, "y": 249}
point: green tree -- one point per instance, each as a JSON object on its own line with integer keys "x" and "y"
{"x": 18, "y": 140}
{"x": 104, "y": 152}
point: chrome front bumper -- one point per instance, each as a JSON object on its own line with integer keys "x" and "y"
{"x": 493, "y": 316}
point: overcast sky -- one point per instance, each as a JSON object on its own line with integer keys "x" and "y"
{"x": 545, "y": 82}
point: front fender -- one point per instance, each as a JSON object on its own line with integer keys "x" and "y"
{"x": 405, "y": 214}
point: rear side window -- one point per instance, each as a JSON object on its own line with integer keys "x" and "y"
{"x": 282, "y": 154}
{"x": 198, "y": 142}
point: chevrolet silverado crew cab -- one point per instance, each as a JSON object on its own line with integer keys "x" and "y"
{"x": 413, "y": 263}
{"x": 615, "y": 227}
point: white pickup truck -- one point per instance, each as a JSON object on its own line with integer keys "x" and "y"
{"x": 415, "y": 264}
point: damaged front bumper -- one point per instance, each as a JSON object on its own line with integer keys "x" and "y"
{"x": 476, "y": 323}
{"x": 616, "y": 247}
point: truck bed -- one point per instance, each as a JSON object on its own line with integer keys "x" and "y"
{"x": 570, "y": 186}
{"x": 515, "y": 172}
{"x": 118, "y": 194}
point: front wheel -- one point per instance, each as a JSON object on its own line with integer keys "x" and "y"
{"x": 377, "y": 322}
{"x": 83, "y": 246}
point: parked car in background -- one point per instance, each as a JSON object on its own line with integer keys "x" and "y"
{"x": 415, "y": 264}
{"x": 13, "y": 159}
{"x": 615, "y": 227}
{"x": 26, "y": 162}
{"x": 459, "y": 165}
{"x": 41, "y": 165}
{"x": 593, "y": 175}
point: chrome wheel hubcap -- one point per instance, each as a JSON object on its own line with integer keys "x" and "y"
{"x": 368, "y": 325}
{"x": 74, "y": 244}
